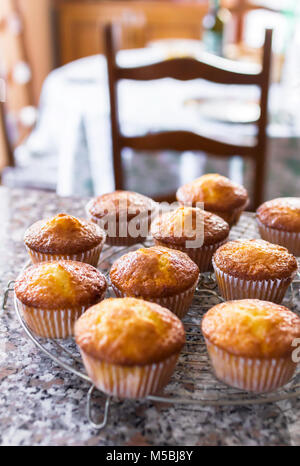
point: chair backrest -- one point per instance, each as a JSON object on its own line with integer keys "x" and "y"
{"x": 216, "y": 70}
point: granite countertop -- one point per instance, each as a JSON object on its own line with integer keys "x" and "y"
{"x": 42, "y": 404}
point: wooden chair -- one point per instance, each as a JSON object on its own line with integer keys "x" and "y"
{"x": 186, "y": 69}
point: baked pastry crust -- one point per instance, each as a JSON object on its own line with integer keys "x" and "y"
{"x": 217, "y": 192}
{"x": 63, "y": 234}
{"x": 154, "y": 272}
{"x": 255, "y": 259}
{"x": 189, "y": 221}
{"x": 129, "y": 331}
{"x": 281, "y": 214}
{"x": 60, "y": 285}
{"x": 122, "y": 204}
{"x": 252, "y": 328}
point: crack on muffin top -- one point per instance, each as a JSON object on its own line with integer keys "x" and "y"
{"x": 154, "y": 272}
{"x": 252, "y": 328}
{"x": 121, "y": 204}
{"x": 60, "y": 285}
{"x": 217, "y": 192}
{"x": 255, "y": 259}
{"x": 63, "y": 234}
{"x": 129, "y": 331}
{"x": 281, "y": 214}
{"x": 187, "y": 224}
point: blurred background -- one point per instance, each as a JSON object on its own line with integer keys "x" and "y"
{"x": 55, "y": 120}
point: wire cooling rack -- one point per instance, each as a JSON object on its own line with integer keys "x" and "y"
{"x": 193, "y": 382}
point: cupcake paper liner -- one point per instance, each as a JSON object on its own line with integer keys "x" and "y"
{"x": 201, "y": 256}
{"x": 89, "y": 257}
{"x": 252, "y": 374}
{"x": 124, "y": 241}
{"x": 49, "y": 323}
{"x": 119, "y": 240}
{"x": 179, "y": 304}
{"x": 231, "y": 217}
{"x": 287, "y": 239}
{"x": 129, "y": 381}
{"x": 232, "y": 288}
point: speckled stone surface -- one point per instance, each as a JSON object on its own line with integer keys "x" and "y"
{"x": 42, "y": 404}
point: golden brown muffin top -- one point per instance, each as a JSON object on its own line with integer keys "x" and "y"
{"x": 282, "y": 213}
{"x": 129, "y": 331}
{"x": 188, "y": 224}
{"x": 255, "y": 259}
{"x": 122, "y": 204}
{"x": 217, "y": 193}
{"x": 154, "y": 272}
{"x": 63, "y": 234}
{"x": 252, "y": 328}
{"x": 60, "y": 285}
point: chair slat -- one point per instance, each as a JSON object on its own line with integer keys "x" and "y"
{"x": 184, "y": 141}
{"x": 185, "y": 69}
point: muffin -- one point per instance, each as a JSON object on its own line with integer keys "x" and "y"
{"x": 194, "y": 231}
{"x": 250, "y": 343}
{"x": 253, "y": 269}
{"x": 129, "y": 346}
{"x": 52, "y": 295}
{"x": 161, "y": 275}
{"x": 64, "y": 237}
{"x": 124, "y": 215}
{"x": 279, "y": 222}
{"x": 218, "y": 194}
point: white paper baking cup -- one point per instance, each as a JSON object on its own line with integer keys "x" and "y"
{"x": 252, "y": 374}
{"x": 233, "y": 216}
{"x": 129, "y": 381}
{"x": 49, "y": 323}
{"x": 201, "y": 256}
{"x": 179, "y": 304}
{"x": 289, "y": 240}
{"x": 118, "y": 241}
{"x": 238, "y": 288}
{"x": 89, "y": 257}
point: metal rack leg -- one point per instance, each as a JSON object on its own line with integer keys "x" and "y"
{"x": 97, "y": 425}
{"x": 5, "y": 295}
